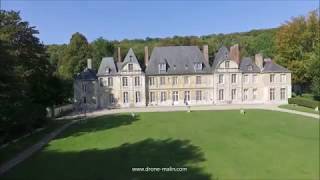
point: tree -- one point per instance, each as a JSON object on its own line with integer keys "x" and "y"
{"x": 101, "y": 48}
{"x": 24, "y": 74}
{"x": 75, "y": 56}
{"x": 296, "y": 42}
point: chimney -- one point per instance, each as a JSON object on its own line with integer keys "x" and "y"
{"x": 146, "y": 55}
{"x": 258, "y": 60}
{"x": 119, "y": 54}
{"x": 205, "y": 51}
{"x": 235, "y": 53}
{"x": 89, "y": 64}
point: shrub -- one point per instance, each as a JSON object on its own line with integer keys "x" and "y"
{"x": 304, "y": 102}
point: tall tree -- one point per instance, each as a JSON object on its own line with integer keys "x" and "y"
{"x": 101, "y": 48}
{"x": 75, "y": 56}
{"x": 296, "y": 42}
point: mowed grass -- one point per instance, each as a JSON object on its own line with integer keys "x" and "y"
{"x": 211, "y": 144}
{"x": 298, "y": 108}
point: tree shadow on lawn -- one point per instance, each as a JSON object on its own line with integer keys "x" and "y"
{"x": 99, "y": 123}
{"x": 117, "y": 163}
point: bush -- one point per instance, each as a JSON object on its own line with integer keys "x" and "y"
{"x": 304, "y": 102}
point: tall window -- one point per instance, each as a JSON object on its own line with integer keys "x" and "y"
{"x": 84, "y": 88}
{"x": 175, "y": 96}
{"x": 162, "y": 80}
{"x": 246, "y": 78}
{"x": 220, "y": 78}
{"x": 245, "y": 94}
{"x": 111, "y": 98}
{"x": 101, "y": 82}
{"x": 198, "y": 95}
{"x": 137, "y": 81}
{"x": 138, "y": 97}
{"x": 233, "y": 94}
{"x": 221, "y": 96}
{"x": 186, "y": 79}
{"x": 254, "y": 94}
{"x": 130, "y": 67}
{"x": 198, "y": 79}
{"x": 174, "y": 80}
{"x": 152, "y": 97}
{"x": 254, "y": 78}
{"x": 272, "y": 78}
{"x": 283, "y": 93}
{"x": 186, "y": 96}
{"x": 163, "y": 96}
{"x": 283, "y": 78}
{"x": 227, "y": 64}
{"x": 110, "y": 81}
{"x": 233, "y": 78}
{"x": 125, "y": 97}
{"x": 124, "y": 81}
{"x": 272, "y": 94}
{"x": 151, "y": 81}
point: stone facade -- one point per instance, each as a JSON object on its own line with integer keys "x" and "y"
{"x": 182, "y": 75}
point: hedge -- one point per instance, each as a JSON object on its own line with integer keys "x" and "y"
{"x": 304, "y": 102}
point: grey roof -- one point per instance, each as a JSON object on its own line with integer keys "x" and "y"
{"x": 270, "y": 66}
{"x": 222, "y": 54}
{"x": 245, "y": 63}
{"x": 86, "y": 75}
{"x": 130, "y": 58}
{"x": 178, "y": 60}
{"x": 107, "y": 62}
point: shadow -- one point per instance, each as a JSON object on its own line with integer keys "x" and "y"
{"x": 117, "y": 163}
{"x": 98, "y": 124}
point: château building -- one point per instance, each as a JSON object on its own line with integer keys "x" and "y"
{"x": 180, "y": 76}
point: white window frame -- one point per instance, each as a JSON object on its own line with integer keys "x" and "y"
{"x": 175, "y": 96}
{"x": 174, "y": 80}
{"x": 198, "y": 95}
{"x": 233, "y": 78}
{"x": 152, "y": 96}
{"x": 138, "y": 96}
{"x": 221, "y": 78}
{"x": 137, "y": 81}
{"x": 162, "y": 80}
{"x": 186, "y": 96}
{"x": 245, "y": 94}
{"x": 186, "y": 80}
{"x": 151, "y": 81}
{"x": 272, "y": 78}
{"x": 130, "y": 67}
{"x": 221, "y": 94}
{"x": 110, "y": 81}
{"x": 233, "y": 94}
{"x": 272, "y": 94}
{"x": 124, "y": 81}
{"x": 163, "y": 96}
{"x": 198, "y": 79}
{"x": 125, "y": 97}
{"x": 254, "y": 93}
{"x": 283, "y": 93}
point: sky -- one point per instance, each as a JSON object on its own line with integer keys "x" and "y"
{"x": 123, "y": 19}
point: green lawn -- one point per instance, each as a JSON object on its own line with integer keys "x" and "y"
{"x": 298, "y": 108}
{"x": 211, "y": 144}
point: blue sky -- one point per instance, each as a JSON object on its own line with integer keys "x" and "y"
{"x": 116, "y": 20}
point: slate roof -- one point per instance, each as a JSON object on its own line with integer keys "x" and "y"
{"x": 87, "y": 75}
{"x": 222, "y": 54}
{"x": 107, "y": 62}
{"x": 178, "y": 60}
{"x": 270, "y": 66}
{"x": 245, "y": 63}
{"x": 130, "y": 58}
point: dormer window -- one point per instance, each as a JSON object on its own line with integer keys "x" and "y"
{"x": 108, "y": 70}
{"x": 186, "y": 66}
{"x": 249, "y": 67}
{"x": 174, "y": 67}
{"x": 227, "y": 63}
{"x": 162, "y": 67}
{"x": 198, "y": 66}
{"x": 130, "y": 67}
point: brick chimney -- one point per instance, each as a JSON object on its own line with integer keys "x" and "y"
{"x": 119, "y": 54}
{"x": 205, "y": 51}
{"x": 258, "y": 60}
{"x": 146, "y": 55}
{"x": 235, "y": 53}
{"x": 89, "y": 63}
